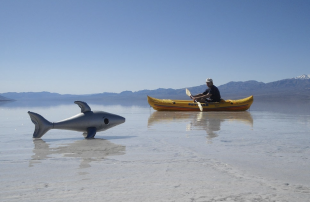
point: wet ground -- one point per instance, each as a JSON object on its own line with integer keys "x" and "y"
{"x": 257, "y": 155}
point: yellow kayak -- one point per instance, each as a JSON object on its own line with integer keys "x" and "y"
{"x": 189, "y": 105}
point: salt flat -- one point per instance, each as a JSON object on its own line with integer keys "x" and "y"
{"x": 257, "y": 155}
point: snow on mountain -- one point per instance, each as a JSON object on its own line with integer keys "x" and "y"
{"x": 304, "y": 76}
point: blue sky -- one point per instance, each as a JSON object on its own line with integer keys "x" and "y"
{"x": 85, "y": 47}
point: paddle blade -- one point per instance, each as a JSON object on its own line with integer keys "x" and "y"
{"x": 188, "y": 92}
{"x": 200, "y": 107}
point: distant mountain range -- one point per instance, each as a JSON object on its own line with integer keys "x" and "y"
{"x": 2, "y": 98}
{"x": 294, "y": 88}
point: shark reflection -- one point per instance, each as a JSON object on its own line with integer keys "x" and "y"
{"x": 207, "y": 121}
{"x": 86, "y": 150}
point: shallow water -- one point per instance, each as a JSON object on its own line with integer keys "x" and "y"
{"x": 156, "y": 155}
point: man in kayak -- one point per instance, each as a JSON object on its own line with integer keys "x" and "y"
{"x": 211, "y": 94}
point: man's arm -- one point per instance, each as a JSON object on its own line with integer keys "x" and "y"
{"x": 201, "y": 95}
{"x": 198, "y": 95}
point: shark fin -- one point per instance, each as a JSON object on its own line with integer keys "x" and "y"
{"x": 83, "y": 105}
{"x": 91, "y": 132}
{"x": 41, "y": 124}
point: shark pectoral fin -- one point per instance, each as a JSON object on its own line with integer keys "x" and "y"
{"x": 91, "y": 132}
{"x": 83, "y": 105}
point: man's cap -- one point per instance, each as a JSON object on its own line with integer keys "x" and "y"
{"x": 208, "y": 80}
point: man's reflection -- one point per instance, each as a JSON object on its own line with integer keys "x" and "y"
{"x": 87, "y": 150}
{"x": 207, "y": 121}
{"x": 211, "y": 123}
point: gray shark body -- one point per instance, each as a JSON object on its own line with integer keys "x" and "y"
{"x": 89, "y": 122}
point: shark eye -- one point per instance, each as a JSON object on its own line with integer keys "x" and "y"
{"x": 106, "y": 121}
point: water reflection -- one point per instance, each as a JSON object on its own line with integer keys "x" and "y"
{"x": 211, "y": 122}
{"x": 207, "y": 121}
{"x": 86, "y": 150}
{"x": 4, "y": 102}
{"x": 55, "y": 103}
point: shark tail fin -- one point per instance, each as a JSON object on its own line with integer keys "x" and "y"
{"x": 41, "y": 124}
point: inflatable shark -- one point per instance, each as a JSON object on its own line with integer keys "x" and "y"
{"x": 89, "y": 122}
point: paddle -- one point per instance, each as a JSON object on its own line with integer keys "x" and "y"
{"x": 190, "y": 95}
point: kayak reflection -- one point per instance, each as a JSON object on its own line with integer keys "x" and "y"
{"x": 87, "y": 150}
{"x": 207, "y": 121}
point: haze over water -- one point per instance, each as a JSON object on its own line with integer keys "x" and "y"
{"x": 256, "y": 155}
